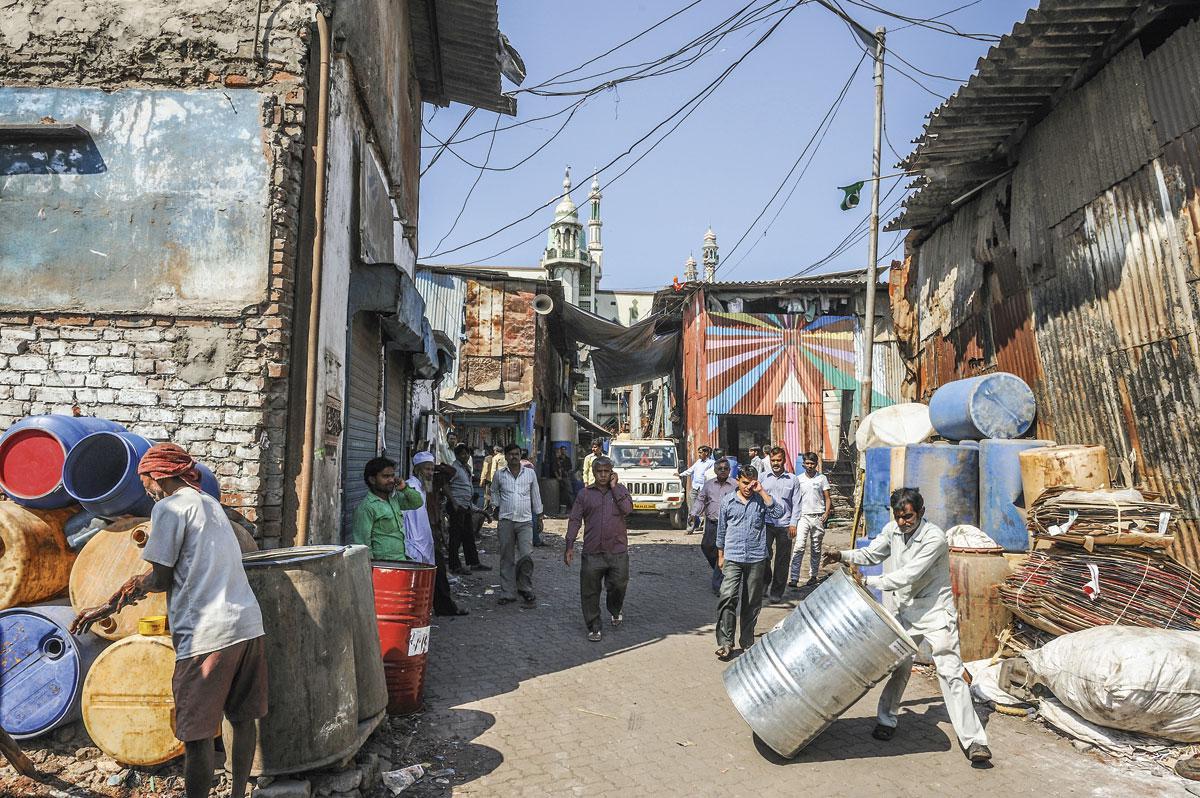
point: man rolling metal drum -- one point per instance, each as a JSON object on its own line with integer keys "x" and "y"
{"x": 917, "y": 575}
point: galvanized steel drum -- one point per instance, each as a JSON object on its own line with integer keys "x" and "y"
{"x": 836, "y": 645}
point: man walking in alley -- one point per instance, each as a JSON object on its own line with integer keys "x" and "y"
{"x": 742, "y": 557}
{"x": 812, "y": 515}
{"x": 564, "y": 473}
{"x": 784, "y": 488}
{"x": 520, "y": 505}
{"x": 216, "y": 623}
{"x": 601, "y": 508}
{"x": 421, "y": 544}
{"x": 597, "y": 451}
{"x": 708, "y": 507}
{"x": 379, "y": 518}
{"x": 491, "y": 465}
{"x": 696, "y": 475}
{"x": 459, "y": 496}
{"x": 917, "y": 574}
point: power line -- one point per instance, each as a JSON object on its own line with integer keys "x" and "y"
{"x": 827, "y": 119}
{"x": 466, "y": 117}
{"x": 694, "y": 102}
{"x": 471, "y": 190}
{"x": 931, "y": 23}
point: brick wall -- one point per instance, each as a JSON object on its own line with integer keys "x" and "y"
{"x": 217, "y": 386}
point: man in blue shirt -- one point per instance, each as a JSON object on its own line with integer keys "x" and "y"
{"x": 785, "y": 490}
{"x": 742, "y": 556}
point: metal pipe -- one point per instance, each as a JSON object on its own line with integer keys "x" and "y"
{"x": 304, "y": 510}
{"x": 873, "y": 247}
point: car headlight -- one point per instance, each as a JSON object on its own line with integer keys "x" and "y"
{"x": 674, "y": 486}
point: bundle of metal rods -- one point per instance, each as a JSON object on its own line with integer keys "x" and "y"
{"x": 1103, "y": 517}
{"x": 1058, "y": 591}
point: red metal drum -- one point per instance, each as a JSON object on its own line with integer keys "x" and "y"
{"x": 403, "y": 605}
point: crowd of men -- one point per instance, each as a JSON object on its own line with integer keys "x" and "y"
{"x": 760, "y": 523}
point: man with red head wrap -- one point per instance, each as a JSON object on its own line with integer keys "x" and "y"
{"x": 216, "y": 623}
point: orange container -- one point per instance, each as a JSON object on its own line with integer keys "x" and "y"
{"x": 403, "y": 605}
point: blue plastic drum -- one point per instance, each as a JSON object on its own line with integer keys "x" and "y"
{"x": 42, "y": 668}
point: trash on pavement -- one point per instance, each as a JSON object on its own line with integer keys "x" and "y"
{"x": 400, "y": 780}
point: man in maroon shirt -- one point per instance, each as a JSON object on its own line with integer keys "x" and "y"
{"x": 601, "y": 508}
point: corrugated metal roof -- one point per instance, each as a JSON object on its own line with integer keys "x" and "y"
{"x": 456, "y": 49}
{"x": 969, "y": 138}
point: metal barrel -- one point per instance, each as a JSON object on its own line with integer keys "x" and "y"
{"x": 997, "y": 405}
{"x": 306, "y": 594}
{"x": 368, "y": 656}
{"x": 836, "y": 645}
{"x": 403, "y": 605}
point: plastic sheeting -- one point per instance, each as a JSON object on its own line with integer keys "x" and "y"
{"x": 623, "y": 355}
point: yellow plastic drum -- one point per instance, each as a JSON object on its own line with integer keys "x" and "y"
{"x": 34, "y": 559}
{"x": 108, "y": 561}
{"x": 128, "y": 708}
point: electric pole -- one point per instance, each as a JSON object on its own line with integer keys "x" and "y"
{"x": 868, "y": 326}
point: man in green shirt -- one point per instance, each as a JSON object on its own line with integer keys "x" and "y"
{"x": 379, "y": 520}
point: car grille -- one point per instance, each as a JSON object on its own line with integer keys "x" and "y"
{"x": 646, "y": 489}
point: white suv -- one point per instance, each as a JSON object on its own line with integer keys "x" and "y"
{"x": 649, "y": 469}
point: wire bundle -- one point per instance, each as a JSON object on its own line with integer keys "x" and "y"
{"x": 1132, "y": 587}
{"x": 1103, "y": 517}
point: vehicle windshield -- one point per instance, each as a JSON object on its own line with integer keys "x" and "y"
{"x": 626, "y": 455}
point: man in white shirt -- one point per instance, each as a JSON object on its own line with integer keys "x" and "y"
{"x": 697, "y": 474}
{"x": 761, "y": 464}
{"x": 419, "y": 544}
{"x": 519, "y": 501}
{"x": 216, "y": 623}
{"x": 812, "y": 515}
{"x": 917, "y": 574}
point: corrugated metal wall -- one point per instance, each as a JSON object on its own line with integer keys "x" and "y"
{"x": 1086, "y": 281}
{"x": 776, "y": 365}
{"x": 445, "y": 298}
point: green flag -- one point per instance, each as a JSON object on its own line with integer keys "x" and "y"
{"x": 852, "y": 191}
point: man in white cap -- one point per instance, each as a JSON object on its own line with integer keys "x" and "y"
{"x": 420, "y": 543}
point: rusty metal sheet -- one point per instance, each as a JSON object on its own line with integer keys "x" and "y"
{"x": 160, "y": 206}
{"x": 1172, "y": 88}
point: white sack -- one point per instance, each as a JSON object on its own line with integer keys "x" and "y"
{"x": 1127, "y": 677}
{"x": 894, "y": 425}
{"x": 965, "y": 536}
{"x": 985, "y": 683}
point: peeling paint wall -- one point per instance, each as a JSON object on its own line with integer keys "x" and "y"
{"x": 192, "y": 345}
{"x": 165, "y": 210}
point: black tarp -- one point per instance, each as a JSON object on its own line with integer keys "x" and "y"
{"x": 622, "y": 355}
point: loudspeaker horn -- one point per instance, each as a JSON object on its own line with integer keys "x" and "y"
{"x": 542, "y": 304}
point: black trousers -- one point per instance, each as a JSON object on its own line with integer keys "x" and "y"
{"x": 779, "y": 558}
{"x": 443, "y": 599}
{"x": 609, "y": 570}
{"x": 462, "y": 535}
{"x": 708, "y": 546}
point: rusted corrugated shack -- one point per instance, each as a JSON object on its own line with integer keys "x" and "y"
{"x": 1054, "y": 234}
{"x": 512, "y": 366}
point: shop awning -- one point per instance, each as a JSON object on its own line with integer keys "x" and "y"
{"x": 589, "y": 425}
{"x": 622, "y": 355}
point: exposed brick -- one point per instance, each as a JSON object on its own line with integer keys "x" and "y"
{"x": 28, "y": 363}
{"x": 243, "y": 418}
{"x": 132, "y": 396}
{"x": 115, "y": 365}
{"x": 69, "y": 363}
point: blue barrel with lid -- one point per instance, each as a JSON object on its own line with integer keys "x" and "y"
{"x": 998, "y": 405}
{"x": 42, "y": 668}
{"x": 100, "y": 473}
{"x": 877, "y": 489}
{"x": 948, "y": 478}
{"x": 1002, "y": 502}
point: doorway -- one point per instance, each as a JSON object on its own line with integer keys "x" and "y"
{"x": 737, "y": 433}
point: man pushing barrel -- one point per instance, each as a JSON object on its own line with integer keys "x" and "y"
{"x": 216, "y": 624}
{"x": 917, "y": 575}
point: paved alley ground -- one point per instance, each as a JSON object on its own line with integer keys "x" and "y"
{"x": 521, "y": 704}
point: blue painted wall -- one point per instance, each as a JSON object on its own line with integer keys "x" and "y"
{"x": 159, "y": 204}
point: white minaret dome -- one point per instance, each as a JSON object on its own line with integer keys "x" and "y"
{"x": 710, "y": 236}
{"x": 689, "y": 270}
{"x": 566, "y": 210}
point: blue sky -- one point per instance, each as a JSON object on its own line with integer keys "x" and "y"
{"x": 724, "y": 161}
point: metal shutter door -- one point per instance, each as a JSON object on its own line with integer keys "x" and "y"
{"x": 396, "y": 403}
{"x": 362, "y": 413}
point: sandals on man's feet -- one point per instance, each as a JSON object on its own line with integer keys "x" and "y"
{"x": 881, "y": 732}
